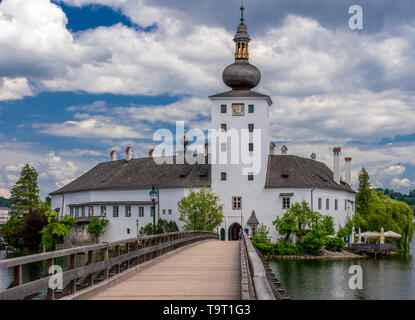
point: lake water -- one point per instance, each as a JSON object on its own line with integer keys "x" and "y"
{"x": 387, "y": 278}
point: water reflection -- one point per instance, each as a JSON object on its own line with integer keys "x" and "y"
{"x": 383, "y": 278}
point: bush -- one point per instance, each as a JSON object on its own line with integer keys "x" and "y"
{"x": 286, "y": 248}
{"x": 311, "y": 243}
{"x": 335, "y": 244}
{"x": 267, "y": 249}
{"x": 261, "y": 235}
{"x": 96, "y": 226}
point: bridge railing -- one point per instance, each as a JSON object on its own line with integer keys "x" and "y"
{"x": 101, "y": 262}
{"x": 257, "y": 280}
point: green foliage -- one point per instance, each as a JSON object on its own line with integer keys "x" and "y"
{"x": 97, "y": 226}
{"x": 207, "y": 204}
{"x": 11, "y": 232}
{"x": 6, "y": 202}
{"x": 163, "y": 226}
{"x": 286, "y": 248}
{"x": 55, "y": 231}
{"x": 261, "y": 235}
{"x": 25, "y": 193}
{"x": 363, "y": 197}
{"x": 335, "y": 244}
{"x": 312, "y": 242}
{"x": 267, "y": 249}
{"x": 287, "y": 224}
{"x": 327, "y": 225}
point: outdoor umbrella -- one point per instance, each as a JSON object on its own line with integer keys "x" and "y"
{"x": 392, "y": 234}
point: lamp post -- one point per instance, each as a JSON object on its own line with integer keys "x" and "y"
{"x": 194, "y": 216}
{"x": 153, "y": 197}
{"x": 137, "y": 227}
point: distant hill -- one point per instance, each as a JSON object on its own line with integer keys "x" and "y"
{"x": 5, "y": 202}
{"x": 407, "y": 198}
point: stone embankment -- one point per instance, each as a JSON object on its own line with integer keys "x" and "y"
{"x": 325, "y": 254}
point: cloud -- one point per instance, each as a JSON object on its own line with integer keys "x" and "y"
{"x": 395, "y": 170}
{"x": 81, "y": 153}
{"x": 89, "y": 129}
{"x": 97, "y": 106}
{"x": 5, "y": 193}
{"x": 14, "y": 88}
{"x": 401, "y": 183}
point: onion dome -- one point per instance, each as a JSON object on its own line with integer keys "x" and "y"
{"x": 241, "y": 75}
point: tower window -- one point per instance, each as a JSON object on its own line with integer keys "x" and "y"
{"x": 251, "y": 108}
{"x": 236, "y": 203}
{"x": 164, "y": 211}
{"x": 128, "y": 230}
{"x": 223, "y": 108}
{"x": 223, "y": 176}
{"x": 169, "y": 211}
{"x": 251, "y": 127}
{"x": 223, "y": 126}
{"x": 250, "y": 177}
{"x": 327, "y": 204}
{"x": 336, "y": 204}
{"x": 320, "y": 203}
{"x": 251, "y": 147}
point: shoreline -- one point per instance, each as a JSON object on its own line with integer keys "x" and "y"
{"x": 326, "y": 255}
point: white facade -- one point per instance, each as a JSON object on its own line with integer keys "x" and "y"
{"x": 4, "y": 215}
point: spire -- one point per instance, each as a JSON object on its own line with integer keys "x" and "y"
{"x": 242, "y": 11}
{"x": 241, "y": 75}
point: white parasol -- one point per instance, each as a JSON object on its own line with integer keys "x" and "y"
{"x": 392, "y": 234}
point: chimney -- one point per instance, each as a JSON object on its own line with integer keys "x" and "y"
{"x": 114, "y": 155}
{"x": 348, "y": 174}
{"x": 284, "y": 150}
{"x": 129, "y": 154}
{"x": 336, "y": 164}
{"x": 313, "y": 156}
{"x": 150, "y": 153}
{"x": 272, "y": 147}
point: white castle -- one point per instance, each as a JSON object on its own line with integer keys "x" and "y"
{"x": 119, "y": 189}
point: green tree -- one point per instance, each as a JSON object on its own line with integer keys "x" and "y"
{"x": 364, "y": 194}
{"x": 25, "y": 193}
{"x": 12, "y": 232}
{"x": 97, "y": 226}
{"x": 327, "y": 224}
{"x": 55, "y": 231}
{"x": 208, "y": 206}
{"x": 163, "y": 226}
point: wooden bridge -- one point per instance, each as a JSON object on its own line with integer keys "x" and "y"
{"x": 372, "y": 248}
{"x": 192, "y": 265}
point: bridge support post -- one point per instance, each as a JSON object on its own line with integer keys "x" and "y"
{"x": 50, "y": 295}
{"x": 17, "y": 276}
{"x": 72, "y": 265}
{"x": 90, "y": 261}
{"x": 106, "y": 257}
{"x": 117, "y": 254}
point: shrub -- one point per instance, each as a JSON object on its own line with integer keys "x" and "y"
{"x": 267, "y": 249}
{"x": 96, "y": 226}
{"x": 311, "y": 243}
{"x": 261, "y": 235}
{"x": 335, "y": 244}
{"x": 286, "y": 248}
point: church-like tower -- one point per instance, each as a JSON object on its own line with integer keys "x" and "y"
{"x": 240, "y": 110}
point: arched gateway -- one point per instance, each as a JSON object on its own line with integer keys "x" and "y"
{"x": 233, "y": 232}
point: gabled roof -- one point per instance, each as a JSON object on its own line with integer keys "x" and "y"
{"x": 288, "y": 171}
{"x": 140, "y": 173}
{"x": 253, "y": 220}
{"x": 241, "y": 94}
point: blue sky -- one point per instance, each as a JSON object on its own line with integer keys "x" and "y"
{"x": 79, "y": 78}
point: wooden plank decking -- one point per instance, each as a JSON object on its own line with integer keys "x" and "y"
{"x": 207, "y": 271}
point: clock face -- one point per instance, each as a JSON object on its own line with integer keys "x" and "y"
{"x": 238, "y": 109}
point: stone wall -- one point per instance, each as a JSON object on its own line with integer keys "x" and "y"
{"x": 79, "y": 236}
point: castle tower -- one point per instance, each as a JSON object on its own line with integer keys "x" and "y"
{"x": 240, "y": 110}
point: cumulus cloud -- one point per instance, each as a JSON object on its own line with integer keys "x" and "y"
{"x": 89, "y": 129}
{"x": 5, "y": 193}
{"x": 14, "y": 88}
{"x": 401, "y": 183}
